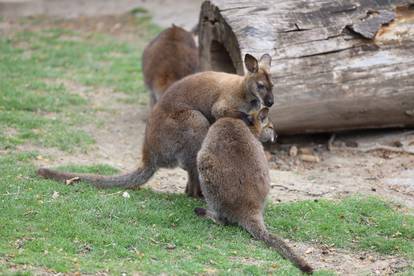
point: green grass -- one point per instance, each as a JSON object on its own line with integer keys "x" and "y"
{"x": 29, "y": 107}
{"x": 92, "y": 230}
{"x": 355, "y": 223}
{"x": 34, "y": 104}
{"x": 49, "y": 226}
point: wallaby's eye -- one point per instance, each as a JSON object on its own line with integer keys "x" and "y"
{"x": 260, "y": 86}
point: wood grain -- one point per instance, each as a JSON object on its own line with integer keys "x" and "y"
{"x": 337, "y": 65}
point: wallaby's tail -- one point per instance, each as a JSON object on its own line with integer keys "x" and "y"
{"x": 129, "y": 180}
{"x": 258, "y": 230}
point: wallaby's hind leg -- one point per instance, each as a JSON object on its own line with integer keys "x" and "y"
{"x": 198, "y": 124}
{"x": 193, "y": 188}
{"x": 202, "y": 212}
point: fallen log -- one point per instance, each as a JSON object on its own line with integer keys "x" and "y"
{"x": 337, "y": 65}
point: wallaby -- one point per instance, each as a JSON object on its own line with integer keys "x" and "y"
{"x": 169, "y": 57}
{"x": 234, "y": 179}
{"x": 179, "y": 122}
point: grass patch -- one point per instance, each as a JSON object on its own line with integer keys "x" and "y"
{"x": 35, "y": 103}
{"x": 96, "y": 60}
{"x": 39, "y": 112}
{"x": 357, "y": 223}
{"x": 90, "y": 230}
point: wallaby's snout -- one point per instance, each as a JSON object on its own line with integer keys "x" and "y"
{"x": 269, "y": 100}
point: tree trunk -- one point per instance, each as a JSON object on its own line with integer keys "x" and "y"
{"x": 337, "y": 65}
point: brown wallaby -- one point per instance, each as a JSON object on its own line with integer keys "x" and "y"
{"x": 234, "y": 179}
{"x": 169, "y": 57}
{"x": 179, "y": 122}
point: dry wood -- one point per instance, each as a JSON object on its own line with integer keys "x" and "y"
{"x": 309, "y": 158}
{"x": 385, "y": 148}
{"x": 300, "y": 191}
{"x": 337, "y": 65}
{"x": 331, "y": 141}
{"x": 403, "y": 146}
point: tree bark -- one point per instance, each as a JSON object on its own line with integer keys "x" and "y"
{"x": 337, "y": 65}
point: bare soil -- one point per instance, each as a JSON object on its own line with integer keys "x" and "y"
{"x": 338, "y": 173}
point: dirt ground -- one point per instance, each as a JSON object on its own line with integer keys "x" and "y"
{"x": 334, "y": 174}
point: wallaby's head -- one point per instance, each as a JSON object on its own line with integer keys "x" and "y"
{"x": 182, "y": 36}
{"x": 262, "y": 127}
{"x": 258, "y": 79}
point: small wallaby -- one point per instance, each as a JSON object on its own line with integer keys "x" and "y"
{"x": 234, "y": 179}
{"x": 169, "y": 57}
{"x": 179, "y": 122}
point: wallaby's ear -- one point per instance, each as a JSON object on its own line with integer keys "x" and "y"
{"x": 266, "y": 61}
{"x": 263, "y": 114}
{"x": 251, "y": 63}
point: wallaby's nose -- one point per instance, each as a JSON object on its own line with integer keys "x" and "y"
{"x": 269, "y": 101}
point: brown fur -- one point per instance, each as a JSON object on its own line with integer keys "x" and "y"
{"x": 169, "y": 57}
{"x": 179, "y": 122}
{"x": 234, "y": 178}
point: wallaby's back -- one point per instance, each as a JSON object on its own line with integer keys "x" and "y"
{"x": 169, "y": 57}
{"x": 234, "y": 169}
{"x": 234, "y": 178}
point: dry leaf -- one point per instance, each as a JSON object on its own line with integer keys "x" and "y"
{"x": 306, "y": 151}
{"x": 55, "y": 195}
{"x": 309, "y": 158}
{"x": 72, "y": 180}
{"x": 293, "y": 151}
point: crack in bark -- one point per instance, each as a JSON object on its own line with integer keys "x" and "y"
{"x": 327, "y": 52}
{"x": 297, "y": 29}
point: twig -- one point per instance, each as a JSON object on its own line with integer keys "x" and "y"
{"x": 403, "y": 149}
{"x": 408, "y": 133}
{"x": 72, "y": 180}
{"x": 407, "y": 143}
{"x": 300, "y": 191}
{"x": 375, "y": 147}
{"x": 330, "y": 142}
{"x": 9, "y": 194}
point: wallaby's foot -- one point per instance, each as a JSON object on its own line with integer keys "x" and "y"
{"x": 307, "y": 269}
{"x": 193, "y": 188}
{"x": 202, "y": 212}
